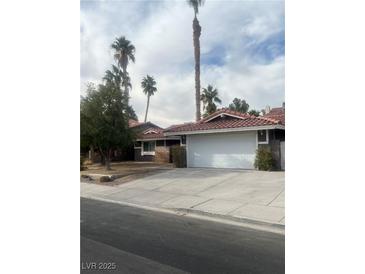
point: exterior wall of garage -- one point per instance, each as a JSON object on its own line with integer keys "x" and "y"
{"x": 222, "y": 150}
{"x": 275, "y": 143}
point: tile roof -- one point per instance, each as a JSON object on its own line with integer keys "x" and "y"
{"x": 146, "y": 130}
{"x": 223, "y": 119}
{"x": 141, "y": 126}
{"x": 134, "y": 123}
{"x": 151, "y": 133}
{"x": 277, "y": 114}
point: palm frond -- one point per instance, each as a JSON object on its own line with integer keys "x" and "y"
{"x": 195, "y": 4}
{"x": 124, "y": 51}
{"x": 148, "y": 85}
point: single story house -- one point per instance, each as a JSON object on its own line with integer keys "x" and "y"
{"x": 151, "y": 141}
{"x": 229, "y": 139}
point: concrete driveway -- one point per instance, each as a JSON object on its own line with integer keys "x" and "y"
{"x": 254, "y": 195}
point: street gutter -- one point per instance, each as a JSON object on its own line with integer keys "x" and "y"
{"x": 198, "y": 214}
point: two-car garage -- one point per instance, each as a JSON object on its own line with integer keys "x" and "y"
{"x": 230, "y": 139}
{"x": 222, "y": 150}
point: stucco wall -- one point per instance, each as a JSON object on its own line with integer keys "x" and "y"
{"x": 139, "y": 157}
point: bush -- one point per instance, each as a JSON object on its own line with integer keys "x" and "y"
{"x": 178, "y": 156}
{"x": 264, "y": 159}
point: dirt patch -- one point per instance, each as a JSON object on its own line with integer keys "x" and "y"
{"x": 125, "y": 167}
{"x": 122, "y": 172}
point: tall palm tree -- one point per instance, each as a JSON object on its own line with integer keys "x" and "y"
{"x": 126, "y": 81}
{"x": 209, "y": 98}
{"x": 124, "y": 52}
{"x": 149, "y": 88}
{"x": 196, "y": 34}
{"x": 113, "y": 76}
{"x": 116, "y": 77}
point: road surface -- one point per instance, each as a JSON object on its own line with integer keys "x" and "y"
{"x": 122, "y": 239}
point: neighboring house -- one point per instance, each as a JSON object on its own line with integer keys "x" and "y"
{"x": 229, "y": 139}
{"x": 151, "y": 141}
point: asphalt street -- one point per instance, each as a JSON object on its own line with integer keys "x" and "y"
{"x": 123, "y": 239}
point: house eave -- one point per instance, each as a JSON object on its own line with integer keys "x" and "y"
{"x": 223, "y": 130}
{"x": 170, "y": 137}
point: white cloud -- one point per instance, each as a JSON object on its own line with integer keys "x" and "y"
{"x": 162, "y": 36}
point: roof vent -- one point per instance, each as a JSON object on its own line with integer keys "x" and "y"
{"x": 150, "y": 131}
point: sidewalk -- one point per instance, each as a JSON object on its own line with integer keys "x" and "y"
{"x": 237, "y": 195}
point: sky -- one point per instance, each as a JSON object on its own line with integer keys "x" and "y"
{"x": 242, "y": 52}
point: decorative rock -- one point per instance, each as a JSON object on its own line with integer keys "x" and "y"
{"x": 86, "y": 178}
{"x": 104, "y": 179}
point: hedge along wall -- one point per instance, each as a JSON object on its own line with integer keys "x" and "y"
{"x": 178, "y": 154}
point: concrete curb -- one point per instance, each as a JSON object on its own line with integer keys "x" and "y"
{"x": 233, "y": 218}
{"x": 198, "y": 214}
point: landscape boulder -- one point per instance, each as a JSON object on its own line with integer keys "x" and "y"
{"x": 104, "y": 179}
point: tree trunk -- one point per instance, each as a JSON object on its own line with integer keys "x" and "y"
{"x": 107, "y": 159}
{"x": 148, "y": 104}
{"x": 102, "y": 157}
{"x": 91, "y": 154}
{"x": 196, "y": 35}
{"x": 126, "y": 91}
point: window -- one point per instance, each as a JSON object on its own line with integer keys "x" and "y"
{"x": 262, "y": 137}
{"x": 160, "y": 143}
{"x": 149, "y": 148}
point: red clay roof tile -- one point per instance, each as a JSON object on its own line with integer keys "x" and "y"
{"x": 133, "y": 123}
{"x": 277, "y": 114}
{"x": 225, "y": 118}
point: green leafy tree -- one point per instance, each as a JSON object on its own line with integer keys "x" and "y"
{"x": 123, "y": 53}
{"x": 254, "y": 112}
{"x": 103, "y": 120}
{"x": 126, "y": 81}
{"x": 113, "y": 76}
{"x": 131, "y": 113}
{"x": 149, "y": 88}
{"x": 195, "y": 4}
{"x": 86, "y": 131}
{"x": 209, "y": 97}
{"x": 116, "y": 77}
{"x": 239, "y": 105}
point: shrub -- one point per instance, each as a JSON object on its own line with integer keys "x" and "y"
{"x": 178, "y": 156}
{"x": 264, "y": 159}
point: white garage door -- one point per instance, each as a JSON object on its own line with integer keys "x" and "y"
{"x": 223, "y": 150}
